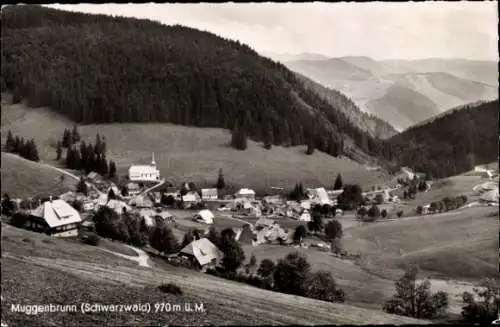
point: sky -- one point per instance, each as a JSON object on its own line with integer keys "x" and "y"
{"x": 378, "y": 30}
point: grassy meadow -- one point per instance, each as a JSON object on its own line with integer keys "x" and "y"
{"x": 187, "y": 153}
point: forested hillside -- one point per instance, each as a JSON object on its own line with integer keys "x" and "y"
{"x": 452, "y": 143}
{"x": 101, "y": 69}
{"x": 373, "y": 125}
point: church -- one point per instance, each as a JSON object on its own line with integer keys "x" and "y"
{"x": 144, "y": 172}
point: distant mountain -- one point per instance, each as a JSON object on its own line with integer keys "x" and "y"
{"x": 283, "y": 57}
{"x": 404, "y": 92}
{"x": 375, "y": 126}
{"x": 101, "y": 69}
{"x": 452, "y": 142}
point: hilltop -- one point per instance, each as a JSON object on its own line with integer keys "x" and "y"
{"x": 97, "y": 69}
{"x": 452, "y": 143}
{"x": 188, "y": 153}
{"x": 402, "y": 92}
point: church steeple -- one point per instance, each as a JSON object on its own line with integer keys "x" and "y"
{"x": 153, "y": 162}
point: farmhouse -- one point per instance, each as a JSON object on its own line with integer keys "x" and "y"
{"x": 319, "y": 195}
{"x": 490, "y": 197}
{"x": 202, "y": 252}
{"x": 141, "y": 201}
{"x": 206, "y": 216}
{"x": 190, "y": 198}
{"x": 118, "y": 206}
{"x": 55, "y": 217}
{"x": 144, "y": 172}
{"x": 133, "y": 188}
{"x": 246, "y": 235}
{"x": 245, "y": 193}
{"x": 209, "y": 194}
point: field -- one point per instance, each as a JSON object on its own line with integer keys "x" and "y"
{"x": 186, "y": 153}
{"x": 23, "y": 178}
{"x": 34, "y": 272}
{"x": 461, "y": 244}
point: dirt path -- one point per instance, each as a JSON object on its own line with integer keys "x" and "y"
{"x": 142, "y": 258}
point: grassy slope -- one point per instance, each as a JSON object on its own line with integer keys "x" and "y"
{"x": 184, "y": 153}
{"x": 23, "y": 178}
{"x": 85, "y": 274}
{"x": 461, "y": 244}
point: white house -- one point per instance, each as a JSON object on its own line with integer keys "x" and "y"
{"x": 206, "y": 216}
{"x": 144, "y": 172}
{"x": 55, "y": 217}
{"x": 209, "y": 194}
{"x": 409, "y": 173}
{"x": 246, "y": 193}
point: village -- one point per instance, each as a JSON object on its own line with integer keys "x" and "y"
{"x": 255, "y": 220}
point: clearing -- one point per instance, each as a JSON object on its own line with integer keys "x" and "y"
{"x": 188, "y": 153}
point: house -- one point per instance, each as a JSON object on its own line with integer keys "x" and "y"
{"x": 306, "y": 205}
{"x": 55, "y": 217}
{"x": 93, "y": 176}
{"x": 245, "y": 193}
{"x": 305, "y": 216}
{"x": 246, "y": 235}
{"x": 202, "y": 252}
{"x": 115, "y": 190}
{"x": 264, "y": 222}
{"x": 209, "y": 194}
{"x": 141, "y": 201}
{"x": 426, "y": 209}
{"x": 118, "y": 206}
{"x": 408, "y": 172}
{"x": 319, "y": 196}
{"x": 144, "y": 172}
{"x": 190, "y": 198}
{"x": 205, "y": 216}
{"x": 133, "y": 188}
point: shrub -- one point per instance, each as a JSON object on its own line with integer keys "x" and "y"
{"x": 482, "y": 309}
{"x": 400, "y": 213}
{"x": 414, "y": 299}
{"x": 19, "y": 220}
{"x": 420, "y": 210}
{"x": 383, "y": 213}
{"x": 320, "y": 285}
{"x": 291, "y": 273}
{"x": 92, "y": 239}
{"x": 170, "y": 288}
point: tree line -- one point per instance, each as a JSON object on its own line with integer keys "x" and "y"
{"x": 141, "y": 71}
{"x": 24, "y": 148}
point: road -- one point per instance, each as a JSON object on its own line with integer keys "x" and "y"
{"x": 142, "y": 258}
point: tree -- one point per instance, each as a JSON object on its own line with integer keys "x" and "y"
{"x": 291, "y": 273}
{"x": 400, "y": 213}
{"x": 111, "y": 194}
{"x": 7, "y": 205}
{"x": 316, "y": 223}
{"x": 374, "y": 211}
{"x": 112, "y": 169}
{"x": 362, "y": 212}
{"x": 187, "y": 239}
{"x": 214, "y": 236}
{"x": 75, "y": 135}
{"x": 414, "y": 298}
{"x": 483, "y": 307}
{"x": 67, "y": 140}
{"x": 268, "y": 136}
{"x": 383, "y": 213}
{"x": 266, "y": 268}
{"x": 221, "y": 184}
{"x": 110, "y": 224}
{"x": 58, "y": 150}
{"x": 333, "y": 230}
{"x": 310, "y": 146}
{"x": 234, "y": 255}
{"x": 379, "y": 199}
{"x": 297, "y": 193}
{"x": 239, "y": 138}
{"x": 299, "y": 234}
{"x": 338, "y": 183}
{"x": 163, "y": 239}
{"x": 253, "y": 261}
{"x": 137, "y": 230}
{"x": 419, "y": 210}
{"x": 351, "y": 198}
{"x": 124, "y": 191}
{"x": 433, "y": 207}
{"x": 81, "y": 187}
{"x": 10, "y": 142}
{"x": 320, "y": 285}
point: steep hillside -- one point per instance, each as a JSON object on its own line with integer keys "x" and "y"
{"x": 39, "y": 269}
{"x": 374, "y": 126}
{"x": 404, "y": 92}
{"x": 282, "y": 57}
{"x": 22, "y": 178}
{"x": 187, "y": 153}
{"x": 101, "y": 69}
{"x": 452, "y": 143}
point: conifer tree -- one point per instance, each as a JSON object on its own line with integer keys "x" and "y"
{"x": 75, "y": 136}
{"x": 59, "y": 150}
{"x": 338, "y": 183}
{"x": 220, "y": 180}
{"x": 10, "y": 142}
{"x": 112, "y": 169}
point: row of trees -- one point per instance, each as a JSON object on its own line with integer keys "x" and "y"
{"x": 88, "y": 157}
{"x": 298, "y": 193}
{"x": 446, "y": 204}
{"x": 18, "y": 145}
